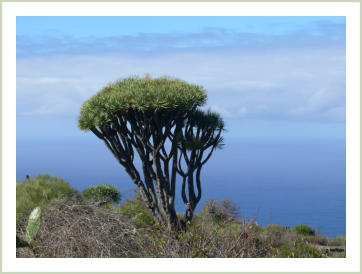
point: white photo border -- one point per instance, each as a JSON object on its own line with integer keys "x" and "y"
{"x": 349, "y": 9}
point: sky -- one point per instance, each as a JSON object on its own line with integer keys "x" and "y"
{"x": 269, "y": 77}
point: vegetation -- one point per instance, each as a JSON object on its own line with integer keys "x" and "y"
{"x": 220, "y": 212}
{"x": 304, "y": 230}
{"x": 33, "y": 225}
{"x": 102, "y": 193}
{"x": 160, "y": 120}
{"x": 77, "y": 227}
{"x": 136, "y": 211}
{"x": 39, "y": 191}
{"x": 337, "y": 241}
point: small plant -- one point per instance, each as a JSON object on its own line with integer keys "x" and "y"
{"x": 33, "y": 225}
{"x": 304, "y": 230}
{"x": 102, "y": 193}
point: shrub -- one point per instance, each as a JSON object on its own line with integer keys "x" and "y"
{"x": 136, "y": 210}
{"x": 204, "y": 240}
{"x": 102, "y": 193}
{"x": 304, "y": 230}
{"x": 319, "y": 239}
{"x": 298, "y": 249}
{"x": 337, "y": 241}
{"x": 277, "y": 234}
{"x": 220, "y": 211}
{"x": 39, "y": 191}
{"x": 275, "y": 229}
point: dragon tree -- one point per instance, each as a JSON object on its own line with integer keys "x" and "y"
{"x": 160, "y": 120}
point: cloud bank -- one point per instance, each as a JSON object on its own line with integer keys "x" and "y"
{"x": 298, "y": 76}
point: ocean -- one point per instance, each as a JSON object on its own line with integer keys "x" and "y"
{"x": 277, "y": 181}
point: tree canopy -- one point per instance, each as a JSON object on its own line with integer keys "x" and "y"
{"x": 141, "y": 94}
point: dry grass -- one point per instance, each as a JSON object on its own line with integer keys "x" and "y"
{"x": 75, "y": 230}
{"x": 71, "y": 229}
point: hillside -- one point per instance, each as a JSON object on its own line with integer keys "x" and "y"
{"x": 75, "y": 225}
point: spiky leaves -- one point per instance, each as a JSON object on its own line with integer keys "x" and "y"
{"x": 142, "y": 95}
{"x": 158, "y": 119}
{"x": 200, "y": 131}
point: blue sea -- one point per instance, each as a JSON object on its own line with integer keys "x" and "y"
{"x": 279, "y": 181}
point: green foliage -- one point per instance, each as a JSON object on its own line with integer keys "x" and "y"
{"x": 220, "y": 211}
{"x": 278, "y": 235}
{"x": 299, "y": 249}
{"x": 136, "y": 210}
{"x": 33, "y": 225}
{"x": 304, "y": 230}
{"x": 337, "y": 241}
{"x": 139, "y": 94}
{"x": 319, "y": 239}
{"x": 204, "y": 239}
{"x": 39, "y": 191}
{"x": 207, "y": 121}
{"x": 102, "y": 193}
{"x": 275, "y": 229}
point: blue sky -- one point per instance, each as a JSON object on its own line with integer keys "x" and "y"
{"x": 271, "y": 77}
{"x": 103, "y": 26}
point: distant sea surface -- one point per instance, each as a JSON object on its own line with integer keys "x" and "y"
{"x": 285, "y": 182}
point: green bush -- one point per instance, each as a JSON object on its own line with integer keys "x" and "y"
{"x": 337, "y": 241}
{"x": 136, "y": 210}
{"x": 102, "y": 193}
{"x": 299, "y": 250}
{"x": 220, "y": 211}
{"x": 39, "y": 191}
{"x": 319, "y": 239}
{"x": 275, "y": 229}
{"x": 277, "y": 234}
{"x": 304, "y": 230}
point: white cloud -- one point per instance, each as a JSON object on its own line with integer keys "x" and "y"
{"x": 288, "y": 84}
{"x": 41, "y": 80}
{"x": 223, "y": 112}
{"x": 322, "y": 101}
